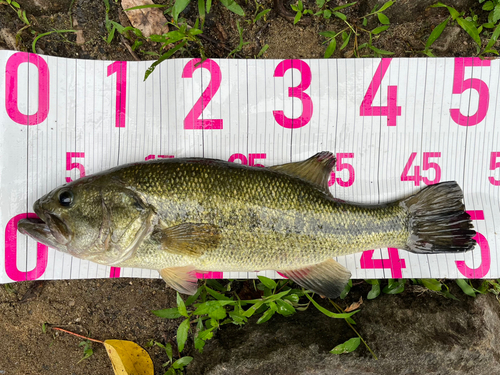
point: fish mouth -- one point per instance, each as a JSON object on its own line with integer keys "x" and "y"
{"x": 47, "y": 228}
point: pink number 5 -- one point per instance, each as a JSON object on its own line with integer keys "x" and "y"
{"x": 484, "y": 267}
{"x": 192, "y": 120}
{"x": 460, "y": 85}
{"x": 296, "y": 92}
{"x": 70, "y": 165}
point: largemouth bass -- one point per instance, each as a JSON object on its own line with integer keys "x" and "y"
{"x": 181, "y": 216}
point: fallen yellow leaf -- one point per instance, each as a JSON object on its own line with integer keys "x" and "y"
{"x": 128, "y": 358}
{"x": 354, "y": 306}
{"x": 148, "y": 20}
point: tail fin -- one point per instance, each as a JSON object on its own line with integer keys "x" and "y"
{"x": 437, "y": 220}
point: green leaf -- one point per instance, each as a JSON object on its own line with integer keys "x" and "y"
{"x": 263, "y": 50}
{"x": 199, "y": 344}
{"x": 380, "y": 51}
{"x": 300, "y": 5}
{"x": 491, "y": 51}
{"x": 170, "y": 371}
{"x": 201, "y": 8}
{"x": 320, "y": 3}
{"x": 466, "y": 288}
{"x": 343, "y": 6}
{"x": 365, "y": 22}
{"x": 190, "y": 300}
{"x": 496, "y": 13}
{"x": 217, "y": 295}
{"x": 206, "y": 334}
{"x": 328, "y": 34}
{"x": 182, "y": 362}
{"x": 347, "y": 347}
{"x": 209, "y": 5}
{"x": 346, "y": 290}
{"x": 385, "y": 6}
{"x": 453, "y": 12}
{"x": 178, "y": 7}
{"x": 379, "y": 29}
{"x": 182, "y": 334}
{"x": 261, "y": 14}
{"x": 383, "y": 19}
{"x": 488, "y": 6}
{"x": 218, "y": 314}
{"x": 253, "y": 309}
{"x": 436, "y": 33}
{"x": 172, "y": 313}
{"x": 329, "y": 313}
{"x": 432, "y": 284}
{"x": 269, "y": 283}
{"x": 340, "y": 15}
{"x": 181, "y": 306}
{"x": 284, "y": 308}
{"x": 292, "y": 298}
{"x": 297, "y": 17}
{"x": 233, "y": 7}
{"x": 237, "y": 316}
{"x": 168, "y": 350}
{"x": 266, "y": 316}
{"x": 16, "y": 5}
{"x": 33, "y": 45}
{"x": 327, "y": 14}
{"x": 374, "y": 292}
{"x": 395, "y": 286}
{"x": 211, "y": 306}
{"x": 470, "y": 29}
{"x": 162, "y": 58}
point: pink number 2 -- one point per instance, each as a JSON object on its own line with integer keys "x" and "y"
{"x": 192, "y": 120}
{"x": 296, "y": 92}
{"x": 120, "y": 68}
{"x": 460, "y": 85}
{"x": 391, "y": 110}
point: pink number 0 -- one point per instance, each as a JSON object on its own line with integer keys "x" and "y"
{"x": 296, "y": 92}
{"x": 192, "y": 120}
{"x": 460, "y": 85}
{"x": 11, "y": 88}
{"x": 11, "y": 253}
{"x": 484, "y": 267}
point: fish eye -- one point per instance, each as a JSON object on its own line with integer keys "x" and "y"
{"x": 66, "y": 198}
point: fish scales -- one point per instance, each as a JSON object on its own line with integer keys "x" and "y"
{"x": 180, "y": 216}
{"x": 266, "y": 219}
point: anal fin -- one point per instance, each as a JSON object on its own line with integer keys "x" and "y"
{"x": 182, "y": 279}
{"x": 328, "y": 278}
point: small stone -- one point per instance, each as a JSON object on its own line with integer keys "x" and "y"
{"x": 71, "y": 303}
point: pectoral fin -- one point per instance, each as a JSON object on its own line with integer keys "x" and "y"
{"x": 316, "y": 169}
{"x": 188, "y": 238}
{"x": 328, "y": 278}
{"x": 182, "y": 279}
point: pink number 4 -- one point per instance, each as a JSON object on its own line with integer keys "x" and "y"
{"x": 394, "y": 262}
{"x": 391, "y": 110}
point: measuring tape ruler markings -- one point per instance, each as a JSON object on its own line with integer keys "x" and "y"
{"x": 395, "y": 124}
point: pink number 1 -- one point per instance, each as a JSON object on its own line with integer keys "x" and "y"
{"x": 120, "y": 68}
{"x": 391, "y": 110}
{"x": 192, "y": 120}
{"x": 460, "y": 85}
{"x": 296, "y": 92}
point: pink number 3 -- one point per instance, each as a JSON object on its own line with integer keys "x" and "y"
{"x": 192, "y": 120}
{"x": 296, "y": 92}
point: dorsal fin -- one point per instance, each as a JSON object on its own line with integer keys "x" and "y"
{"x": 316, "y": 169}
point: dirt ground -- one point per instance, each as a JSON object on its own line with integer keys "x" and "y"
{"x": 120, "y": 308}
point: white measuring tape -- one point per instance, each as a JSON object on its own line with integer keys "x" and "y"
{"x": 395, "y": 125}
